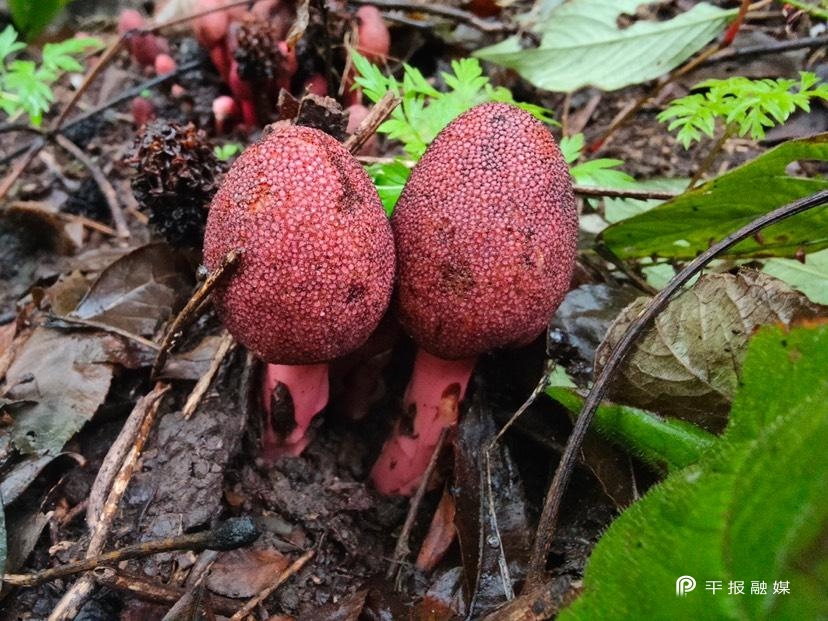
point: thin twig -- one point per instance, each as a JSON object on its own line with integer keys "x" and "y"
{"x": 99, "y": 66}
{"x": 189, "y": 312}
{"x": 194, "y": 581}
{"x": 105, "y": 327}
{"x": 585, "y": 190}
{"x": 440, "y": 10}
{"x": 225, "y": 346}
{"x": 674, "y": 75}
{"x": 294, "y": 568}
{"x": 777, "y": 47}
{"x": 19, "y": 166}
{"x": 552, "y": 503}
{"x": 103, "y": 183}
{"x": 401, "y": 549}
{"x": 379, "y": 112}
{"x": 222, "y": 537}
{"x": 183, "y": 20}
{"x": 503, "y": 565}
{"x": 147, "y": 408}
{"x": 707, "y": 163}
{"x": 143, "y": 588}
{"x": 124, "y": 96}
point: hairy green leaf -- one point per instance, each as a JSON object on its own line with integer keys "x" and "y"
{"x": 753, "y": 510}
{"x": 687, "y": 225}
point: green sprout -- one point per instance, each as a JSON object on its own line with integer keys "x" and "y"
{"x": 25, "y": 86}
{"x": 744, "y": 106}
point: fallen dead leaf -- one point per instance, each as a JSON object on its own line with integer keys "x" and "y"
{"x": 139, "y": 291}
{"x": 244, "y": 573}
{"x": 688, "y": 363}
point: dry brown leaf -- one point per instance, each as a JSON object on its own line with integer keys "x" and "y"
{"x": 138, "y": 291}
{"x": 688, "y": 364}
{"x": 244, "y": 573}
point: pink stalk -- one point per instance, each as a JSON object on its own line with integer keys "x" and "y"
{"x": 432, "y": 398}
{"x": 243, "y": 93}
{"x": 224, "y": 111}
{"x": 308, "y": 389}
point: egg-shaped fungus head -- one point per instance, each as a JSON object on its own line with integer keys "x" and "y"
{"x": 317, "y": 267}
{"x": 486, "y": 232}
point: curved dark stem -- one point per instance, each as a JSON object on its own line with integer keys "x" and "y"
{"x": 552, "y": 503}
{"x": 440, "y": 10}
{"x": 126, "y": 95}
{"x": 19, "y": 127}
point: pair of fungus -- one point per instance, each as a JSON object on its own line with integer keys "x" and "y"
{"x": 481, "y": 249}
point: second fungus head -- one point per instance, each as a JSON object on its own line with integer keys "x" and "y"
{"x": 486, "y": 233}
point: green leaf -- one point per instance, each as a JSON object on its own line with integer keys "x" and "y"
{"x": 754, "y": 508}
{"x": 810, "y": 276}
{"x": 389, "y": 179}
{"x": 9, "y": 43}
{"x": 581, "y": 45}
{"x": 425, "y": 111}
{"x": 571, "y": 147}
{"x": 617, "y": 209}
{"x": 688, "y": 224}
{"x": 602, "y": 173}
{"x": 31, "y": 17}
{"x": 664, "y": 443}
{"x": 749, "y": 105}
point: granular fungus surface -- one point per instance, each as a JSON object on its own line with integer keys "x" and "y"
{"x": 318, "y": 263}
{"x": 486, "y": 233}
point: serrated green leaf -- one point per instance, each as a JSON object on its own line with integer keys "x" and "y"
{"x": 9, "y": 43}
{"x": 753, "y": 509}
{"x": 686, "y": 225}
{"x": 582, "y": 45}
{"x": 389, "y": 180}
{"x": 602, "y": 173}
{"x": 571, "y": 147}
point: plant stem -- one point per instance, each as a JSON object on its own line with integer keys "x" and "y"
{"x": 730, "y": 129}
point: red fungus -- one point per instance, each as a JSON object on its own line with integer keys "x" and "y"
{"x": 224, "y": 110}
{"x": 486, "y": 233}
{"x": 373, "y": 38}
{"x": 243, "y": 93}
{"x": 317, "y": 269}
{"x": 165, "y": 64}
{"x": 143, "y": 47}
{"x": 142, "y": 111}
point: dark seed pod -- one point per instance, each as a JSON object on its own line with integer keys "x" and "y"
{"x": 177, "y": 175}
